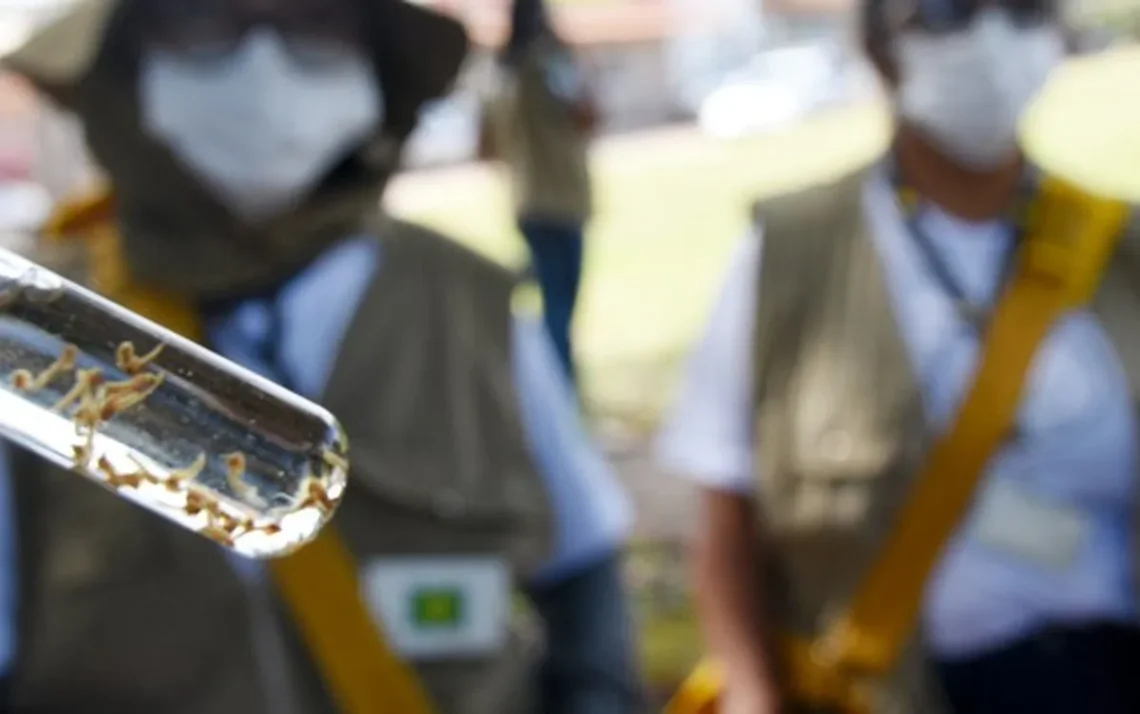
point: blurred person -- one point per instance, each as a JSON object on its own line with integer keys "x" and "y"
{"x": 248, "y": 143}
{"x": 61, "y": 163}
{"x": 538, "y": 120}
{"x": 845, "y": 335}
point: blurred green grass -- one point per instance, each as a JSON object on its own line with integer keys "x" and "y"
{"x": 670, "y": 208}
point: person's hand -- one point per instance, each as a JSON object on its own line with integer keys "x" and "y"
{"x": 750, "y": 695}
{"x": 584, "y": 114}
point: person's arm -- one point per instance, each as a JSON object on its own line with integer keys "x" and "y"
{"x": 709, "y": 439}
{"x": 566, "y": 81}
{"x": 584, "y": 108}
{"x": 578, "y": 592}
{"x": 726, "y": 560}
{"x": 584, "y": 114}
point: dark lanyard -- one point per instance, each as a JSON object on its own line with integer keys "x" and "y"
{"x": 975, "y": 315}
{"x": 270, "y": 346}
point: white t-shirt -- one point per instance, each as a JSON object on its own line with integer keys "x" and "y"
{"x": 1077, "y": 452}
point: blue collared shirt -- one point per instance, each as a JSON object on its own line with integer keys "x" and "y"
{"x": 592, "y": 510}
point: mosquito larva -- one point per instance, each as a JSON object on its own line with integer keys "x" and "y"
{"x": 160, "y": 420}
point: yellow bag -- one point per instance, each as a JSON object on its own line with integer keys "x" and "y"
{"x": 1070, "y": 236}
{"x": 318, "y": 582}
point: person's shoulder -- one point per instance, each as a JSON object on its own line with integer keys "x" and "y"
{"x": 437, "y": 250}
{"x": 811, "y": 204}
{"x": 706, "y": 435}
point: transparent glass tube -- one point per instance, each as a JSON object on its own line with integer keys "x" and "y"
{"x": 160, "y": 420}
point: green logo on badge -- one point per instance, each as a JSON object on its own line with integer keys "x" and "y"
{"x": 437, "y": 608}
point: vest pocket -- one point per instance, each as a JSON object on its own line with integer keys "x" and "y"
{"x": 844, "y": 418}
{"x": 836, "y": 442}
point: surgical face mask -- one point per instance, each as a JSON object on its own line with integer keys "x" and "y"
{"x": 261, "y": 125}
{"x": 966, "y": 91}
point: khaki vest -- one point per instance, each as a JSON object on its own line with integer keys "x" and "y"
{"x": 533, "y": 131}
{"x": 123, "y": 613}
{"x": 839, "y": 424}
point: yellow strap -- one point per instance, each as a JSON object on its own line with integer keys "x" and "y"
{"x": 318, "y": 582}
{"x": 1069, "y": 239}
{"x": 698, "y": 693}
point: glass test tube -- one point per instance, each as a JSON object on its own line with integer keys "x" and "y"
{"x": 160, "y": 420}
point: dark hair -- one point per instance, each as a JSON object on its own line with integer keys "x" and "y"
{"x": 529, "y": 21}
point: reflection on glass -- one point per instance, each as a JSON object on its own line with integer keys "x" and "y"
{"x": 160, "y": 420}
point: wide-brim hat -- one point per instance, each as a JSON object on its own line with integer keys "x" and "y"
{"x": 63, "y": 49}
{"x": 419, "y": 50}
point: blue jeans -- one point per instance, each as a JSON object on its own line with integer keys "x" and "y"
{"x": 556, "y": 258}
{"x": 591, "y": 666}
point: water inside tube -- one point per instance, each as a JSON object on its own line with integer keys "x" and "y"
{"x": 160, "y": 420}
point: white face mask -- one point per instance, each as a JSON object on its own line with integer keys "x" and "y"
{"x": 967, "y": 90}
{"x": 261, "y": 126}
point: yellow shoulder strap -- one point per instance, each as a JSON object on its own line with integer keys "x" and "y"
{"x": 1069, "y": 239}
{"x": 317, "y": 582}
